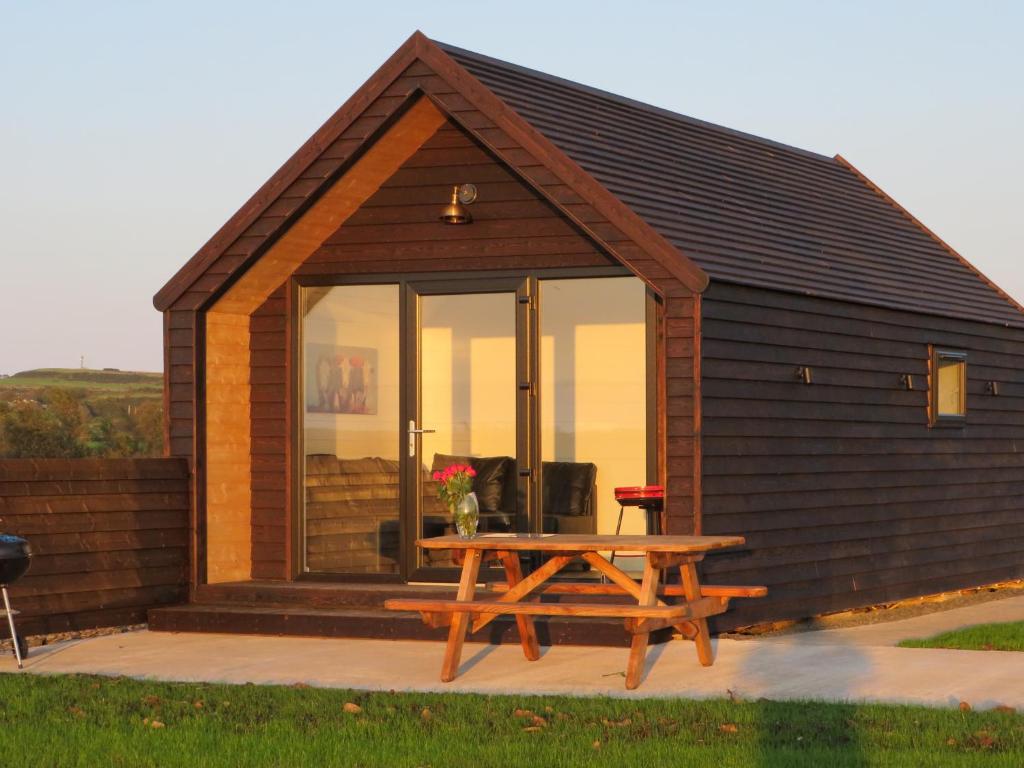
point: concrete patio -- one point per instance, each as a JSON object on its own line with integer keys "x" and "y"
{"x": 856, "y": 664}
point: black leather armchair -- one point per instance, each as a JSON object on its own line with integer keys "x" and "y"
{"x": 569, "y": 501}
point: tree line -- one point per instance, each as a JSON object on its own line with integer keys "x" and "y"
{"x": 59, "y": 422}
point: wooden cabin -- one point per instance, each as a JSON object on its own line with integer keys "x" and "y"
{"x": 574, "y": 291}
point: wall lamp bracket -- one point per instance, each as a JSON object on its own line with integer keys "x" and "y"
{"x": 456, "y": 212}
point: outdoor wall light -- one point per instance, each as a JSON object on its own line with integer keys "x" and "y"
{"x": 992, "y": 388}
{"x": 907, "y": 381}
{"x": 455, "y": 212}
{"x": 803, "y": 373}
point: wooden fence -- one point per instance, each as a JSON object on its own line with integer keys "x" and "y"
{"x": 109, "y": 537}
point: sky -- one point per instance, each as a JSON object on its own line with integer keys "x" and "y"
{"x": 130, "y": 132}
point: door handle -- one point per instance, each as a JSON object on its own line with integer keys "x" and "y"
{"x": 412, "y": 435}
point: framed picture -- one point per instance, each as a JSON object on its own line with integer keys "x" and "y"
{"x": 341, "y": 379}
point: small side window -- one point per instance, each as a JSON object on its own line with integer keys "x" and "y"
{"x": 948, "y": 386}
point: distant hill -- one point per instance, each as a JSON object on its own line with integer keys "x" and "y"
{"x": 139, "y": 384}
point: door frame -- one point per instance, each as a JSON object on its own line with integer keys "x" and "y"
{"x": 411, "y": 286}
{"x": 520, "y": 287}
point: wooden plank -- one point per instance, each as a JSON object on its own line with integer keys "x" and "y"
{"x": 527, "y": 630}
{"x": 335, "y": 206}
{"x": 522, "y": 587}
{"x": 460, "y": 621}
{"x": 563, "y": 542}
{"x": 664, "y": 590}
{"x": 595, "y": 610}
{"x": 692, "y": 589}
{"x": 699, "y": 609}
{"x": 289, "y": 173}
{"x": 638, "y": 645}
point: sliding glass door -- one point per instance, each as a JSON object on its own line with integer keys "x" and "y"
{"x": 351, "y": 403}
{"x": 466, "y": 407}
{"x": 540, "y": 384}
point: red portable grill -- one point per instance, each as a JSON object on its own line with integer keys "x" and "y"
{"x": 649, "y": 498}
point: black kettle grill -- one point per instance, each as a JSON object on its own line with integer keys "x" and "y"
{"x": 15, "y": 556}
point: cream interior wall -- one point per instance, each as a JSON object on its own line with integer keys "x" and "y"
{"x": 468, "y": 370}
{"x": 593, "y": 384}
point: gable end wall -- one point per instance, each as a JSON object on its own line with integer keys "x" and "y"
{"x": 395, "y": 232}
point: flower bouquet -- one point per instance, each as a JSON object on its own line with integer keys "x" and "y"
{"x": 455, "y": 489}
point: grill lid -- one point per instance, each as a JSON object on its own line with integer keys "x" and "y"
{"x": 15, "y": 555}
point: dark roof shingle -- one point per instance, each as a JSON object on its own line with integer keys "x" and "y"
{"x": 748, "y": 210}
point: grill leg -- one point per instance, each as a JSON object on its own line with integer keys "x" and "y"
{"x": 618, "y": 527}
{"x": 10, "y": 622}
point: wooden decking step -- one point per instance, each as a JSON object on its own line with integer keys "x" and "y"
{"x": 363, "y": 622}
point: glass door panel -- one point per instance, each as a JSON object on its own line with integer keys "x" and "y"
{"x": 468, "y": 407}
{"x": 351, "y": 429}
{"x": 593, "y": 402}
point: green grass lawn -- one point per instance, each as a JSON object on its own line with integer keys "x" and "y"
{"x": 982, "y": 637}
{"x": 78, "y": 720}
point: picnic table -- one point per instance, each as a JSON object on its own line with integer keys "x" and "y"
{"x": 519, "y": 596}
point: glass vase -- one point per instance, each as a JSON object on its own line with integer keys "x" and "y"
{"x": 467, "y": 516}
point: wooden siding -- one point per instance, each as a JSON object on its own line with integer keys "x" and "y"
{"x": 396, "y": 231}
{"x": 525, "y": 218}
{"x": 845, "y": 494}
{"x": 109, "y": 537}
{"x": 179, "y": 378}
{"x": 228, "y": 448}
{"x": 331, "y": 155}
{"x": 270, "y": 474}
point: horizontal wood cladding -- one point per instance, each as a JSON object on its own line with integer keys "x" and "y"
{"x": 179, "y": 381}
{"x": 846, "y": 496}
{"x": 109, "y": 539}
{"x": 268, "y": 345}
{"x": 396, "y": 231}
{"x": 526, "y": 217}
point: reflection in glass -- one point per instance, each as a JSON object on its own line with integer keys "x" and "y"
{"x": 350, "y": 422}
{"x": 952, "y": 377}
{"x": 593, "y": 395}
{"x": 468, "y": 397}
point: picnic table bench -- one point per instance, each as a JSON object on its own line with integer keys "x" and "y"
{"x": 519, "y": 595}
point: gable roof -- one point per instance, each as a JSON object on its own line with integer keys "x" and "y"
{"x": 359, "y": 123}
{"x": 746, "y": 209}
{"x": 704, "y": 200}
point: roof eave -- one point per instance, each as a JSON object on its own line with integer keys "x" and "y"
{"x": 305, "y": 156}
{"x": 688, "y": 272}
{"x": 418, "y": 46}
{"x": 916, "y": 222}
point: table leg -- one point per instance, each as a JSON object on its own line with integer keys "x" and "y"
{"x": 527, "y": 630}
{"x": 460, "y": 621}
{"x": 691, "y": 588}
{"x": 638, "y": 647}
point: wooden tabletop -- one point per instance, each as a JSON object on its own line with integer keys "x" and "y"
{"x": 569, "y": 542}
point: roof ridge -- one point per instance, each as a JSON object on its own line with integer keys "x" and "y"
{"x": 625, "y": 100}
